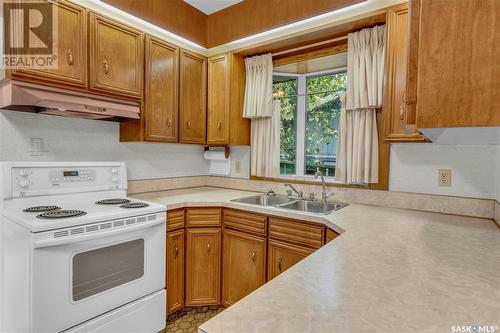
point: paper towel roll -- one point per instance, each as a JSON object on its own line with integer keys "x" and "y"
{"x": 214, "y": 155}
{"x": 219, "y": 164}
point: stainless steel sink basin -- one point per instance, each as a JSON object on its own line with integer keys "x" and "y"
{"x": 315, "y": 207}
{"x": 265, "y": 200}
{"x": 280, "y": 201}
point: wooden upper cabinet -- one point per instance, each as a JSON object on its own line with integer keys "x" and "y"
{"x": 453, "y": 63}
{"x": 161, "y": 91}
{"x": 71, "y": 66}
{"x": 192, "y": 98}
{"x": 218, "y": 100}
{"x": 226, "y": 92}
{"x": 284, "y": 255}
{"x": 203, "y": 256}
{"x": 244, "y": 260}
{"x": 397, "y": 53}
{"x": 175, "y": 270}
{"x": 116, "y": 57}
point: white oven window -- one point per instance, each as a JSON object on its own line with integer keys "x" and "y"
{"x": 102, "y": 269}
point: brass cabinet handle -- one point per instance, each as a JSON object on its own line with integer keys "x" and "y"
{"x": 219, "y": 126}
{"x": 176, "y": 251}
{"x": 70, "y": 57}
{"x": 402, "y": 115}
{"x": 280, "y": 268}
{"x": 188, "y": 124}
{"x": 402, "y": 110}
{"x": 254, "y": 256}
{"x": 208, "y": 247}
{"x": 106, "y": 67}
{"x": 169, "y": 122}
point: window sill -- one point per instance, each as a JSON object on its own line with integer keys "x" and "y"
{"x": 309, "y": 180}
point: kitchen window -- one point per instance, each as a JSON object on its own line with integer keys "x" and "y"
{"x": 309, "y": 118}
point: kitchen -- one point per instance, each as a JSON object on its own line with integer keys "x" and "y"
{"x": 254, "y": 223}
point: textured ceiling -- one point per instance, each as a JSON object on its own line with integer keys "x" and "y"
{"x": 211, "y": 6}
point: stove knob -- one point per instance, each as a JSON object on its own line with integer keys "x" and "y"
{"x": 24, "y": 183}
{"x": 114, "y": 179}
{"x": 23, "y": 173}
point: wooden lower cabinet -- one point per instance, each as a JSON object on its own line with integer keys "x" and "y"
{"x": 218, "y": 256}
{"x": 175, "y": 270}
{"x": 330, "y": 235}
{"x": 203, "y": 258}
{"x": 244, "y": 265}
{"x": 282, "y": 256}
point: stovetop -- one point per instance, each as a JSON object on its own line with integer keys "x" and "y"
{"x": 55, "y": 214}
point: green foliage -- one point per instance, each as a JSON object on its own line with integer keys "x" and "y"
{"x": 323, "y": 110}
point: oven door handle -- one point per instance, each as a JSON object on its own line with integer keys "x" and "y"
{"x": 55, "y": 241}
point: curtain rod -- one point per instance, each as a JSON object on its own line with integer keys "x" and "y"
{"x": 310, "y": 45}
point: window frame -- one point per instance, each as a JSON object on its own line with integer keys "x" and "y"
{"x": 300, "y": 125}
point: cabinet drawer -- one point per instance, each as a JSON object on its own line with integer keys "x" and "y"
{"x": 175, "y": 219}
{"x": 330, "y": 235}
{"x": 255, "y": 224}
{"x": 296, "y": 232}
{"x": 203, "y": 217}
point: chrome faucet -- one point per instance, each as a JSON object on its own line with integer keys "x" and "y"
{"x": 324, "y": 193}
{"x": 289, "y": 192}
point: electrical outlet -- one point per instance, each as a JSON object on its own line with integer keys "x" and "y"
{"x": 444, "y": 177}
{"x": 237, "y": 166}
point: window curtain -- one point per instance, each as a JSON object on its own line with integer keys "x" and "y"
{"x": 259, "y": 87}
{"x": 357, "y": 144}
{"x": 265, "y": 141}
{"x": 264, "y": 114}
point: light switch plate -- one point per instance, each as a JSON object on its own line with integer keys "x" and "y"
{"x": 444, "y": 177}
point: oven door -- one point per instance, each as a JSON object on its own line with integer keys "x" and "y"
{"x": 83, "y": 276}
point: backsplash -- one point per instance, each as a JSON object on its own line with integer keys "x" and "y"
{"x": 69, "y": 139}
{"x": 475, "y": 169}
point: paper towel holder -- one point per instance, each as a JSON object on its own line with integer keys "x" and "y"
{"x": 226, "y": 150}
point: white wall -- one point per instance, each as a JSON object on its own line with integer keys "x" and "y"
{"x": 475, "y": 169}
{"x": 69, "y": 139}
{"x": 497, "y": 182}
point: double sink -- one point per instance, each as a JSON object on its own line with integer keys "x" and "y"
{"x": 297, "y": 204}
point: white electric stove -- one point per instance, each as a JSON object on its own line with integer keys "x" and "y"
{"x": 76, "y": 254}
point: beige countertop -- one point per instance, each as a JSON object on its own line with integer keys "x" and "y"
{"x": 392, "y": 270}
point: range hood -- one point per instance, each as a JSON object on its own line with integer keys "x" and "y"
{"x": 29, "y": 97}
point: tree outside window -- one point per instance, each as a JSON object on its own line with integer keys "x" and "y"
{"x": 309, "y": 121}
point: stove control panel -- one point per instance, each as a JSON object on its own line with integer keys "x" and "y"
{"x": 72, "y": 175}
{"x": 66, "y": 178}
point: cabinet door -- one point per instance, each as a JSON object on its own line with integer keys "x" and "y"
{"x": 282, "y": 256}
{"x": 72, "y": 48}
{"x": 397, "y": 52}
{"x": 203, "y": 255}
{"x": 175, "y": 270}
{"x": 192, "y": 98}
{"x": 458, "y": 70}
{"x": 218, "y": 100}
{"x": 244, "y": 267}
{"x": 116, "y": 57}
{"x": 161, "y": 91}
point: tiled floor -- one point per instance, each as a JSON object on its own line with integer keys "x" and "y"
{"x": 187, "y": 320}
